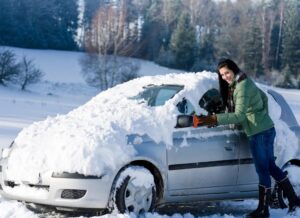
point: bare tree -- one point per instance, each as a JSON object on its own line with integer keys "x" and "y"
{"x": 267, "y": 19}
{"x": 106, "y": 71}
{"x": 29, "y": 74}
{"x": 110, "y": 33}
{"x": 280, "y": 30}
{"x": 9, "y": 69}
{"x": 111, "y": 36}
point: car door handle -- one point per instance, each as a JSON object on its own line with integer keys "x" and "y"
{"x": 228, "y": 148}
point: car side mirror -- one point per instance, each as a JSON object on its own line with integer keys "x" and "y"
{"x": 182, "y": 106}
{"x": 212, "y": 102}
{"x": 184, "y": 121}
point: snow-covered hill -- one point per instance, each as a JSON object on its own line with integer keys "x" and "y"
{"x": 64, "y": 67}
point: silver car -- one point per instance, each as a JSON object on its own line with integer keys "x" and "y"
{"x": 203, "y": 164}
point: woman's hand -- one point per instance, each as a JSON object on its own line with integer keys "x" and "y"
{"x": 202, "y": 120}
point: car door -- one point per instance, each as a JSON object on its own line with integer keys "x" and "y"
{"x": 247, "y": 176}
{"x": 203, "y": 161}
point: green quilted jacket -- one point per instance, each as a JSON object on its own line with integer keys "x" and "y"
{"x": 251, "y": 109}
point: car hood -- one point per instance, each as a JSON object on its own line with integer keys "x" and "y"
{"x": 91, "y": 139}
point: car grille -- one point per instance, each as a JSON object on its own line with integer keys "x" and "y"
{"x": 72, "y": 194}
{"x": 10, "y": 183}
{"x": 46, "y": 187}
{"x": 13, "y": 184}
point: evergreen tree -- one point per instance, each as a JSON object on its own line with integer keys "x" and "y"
{"x": 169, "y": 21}
{"x": 253, "y": 50}
{"x": 165, "y": 57}
{"x": 25, "y": 29}
{"x": 35, "y": 24}
{"x": 274, "y": 44}
{"x": 183, "y": 43}
{"x": 159, "y": 23}
{"x": 6, "y": 21}
{"x": 291, "y": 37}
{"x": 39, "y": 24}
{"x": 201, "y": 12}
{"x": 232, "y": 24}
{"x": 66, "y": 14}
{"x": 275, "y": 19}
{"x": 20, "y": 13}
{"x": 151, "y": 34}
{"x": 205, "y": 58}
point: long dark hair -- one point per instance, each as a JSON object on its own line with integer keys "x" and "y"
{"x": 231, "y": 65}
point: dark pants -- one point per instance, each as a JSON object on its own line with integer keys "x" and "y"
{"x": 263, "y": 156}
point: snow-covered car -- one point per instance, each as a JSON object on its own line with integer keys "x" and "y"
{"x": 123, "y": 150}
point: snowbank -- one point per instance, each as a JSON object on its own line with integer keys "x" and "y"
{"x": 13, "y": 209}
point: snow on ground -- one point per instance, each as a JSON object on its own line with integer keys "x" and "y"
{"x": 19, "y": 109}
{"x": 233, "y": 209}
{"x": 64, "y": 67}
{"x": 62, "y": 91}
{"x": 13, "y": 209}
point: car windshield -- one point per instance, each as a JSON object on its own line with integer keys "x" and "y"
{"x": 158, "y": 95}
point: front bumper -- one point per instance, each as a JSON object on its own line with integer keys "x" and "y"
{"x": 96, "y": 196}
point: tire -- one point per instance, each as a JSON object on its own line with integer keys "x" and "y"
{"x": 131, "y": 194}
{"x": 279, "y": 199}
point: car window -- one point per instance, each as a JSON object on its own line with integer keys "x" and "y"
{"x": 163, "y": 95}
{"x": 158, "y": 95}
{"x": 185, "y": 107}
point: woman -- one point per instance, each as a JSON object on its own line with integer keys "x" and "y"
{"x": 248, "y": 105}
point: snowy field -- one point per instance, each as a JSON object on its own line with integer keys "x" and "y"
{"x": 64, "y": 89}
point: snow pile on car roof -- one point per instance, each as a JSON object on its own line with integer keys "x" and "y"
{"x": 91, "y": 139}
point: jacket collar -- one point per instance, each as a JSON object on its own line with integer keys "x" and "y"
{"x": 238, "y": 78}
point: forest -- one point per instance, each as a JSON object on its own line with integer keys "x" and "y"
{"x": 262, "y": 36}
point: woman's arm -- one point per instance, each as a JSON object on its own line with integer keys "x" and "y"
{"x": 241, "y": 106}
{"x": 264, "y": 99}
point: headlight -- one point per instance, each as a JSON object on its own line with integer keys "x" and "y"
{"x": 65, "y": 175}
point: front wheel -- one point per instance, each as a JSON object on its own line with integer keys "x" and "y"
{"x": 293, "y": 173}
{"x": 135, "y": 190}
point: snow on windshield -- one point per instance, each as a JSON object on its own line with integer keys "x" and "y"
{"x": 91, "y": 139}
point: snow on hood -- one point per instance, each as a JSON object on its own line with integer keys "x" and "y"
{"x": 91, "y": 139}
